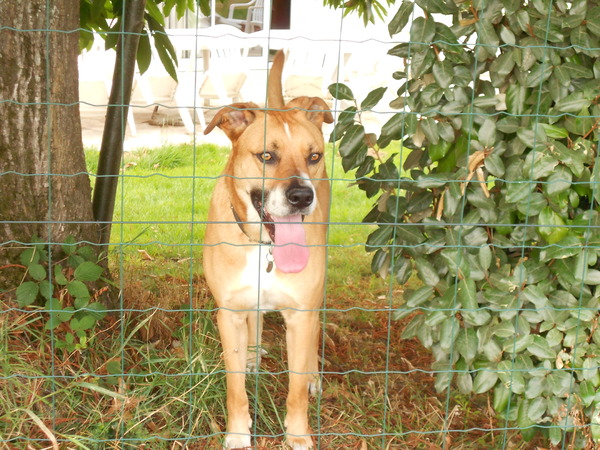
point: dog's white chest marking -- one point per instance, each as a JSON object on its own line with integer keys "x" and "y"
{"x": 263, "y": 290}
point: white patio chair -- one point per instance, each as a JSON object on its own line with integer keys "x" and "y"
{"x": 254, "y": 16}
{"x": 309, "y": 68}
{"x": 157, "y": 87}
{"x": 219, "y": 78}
{"x": 96, "y": 68}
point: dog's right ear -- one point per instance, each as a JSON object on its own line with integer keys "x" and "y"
{"x": 233, "y": 119}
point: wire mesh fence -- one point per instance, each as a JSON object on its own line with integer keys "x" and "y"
{"x": 472, "y": 318}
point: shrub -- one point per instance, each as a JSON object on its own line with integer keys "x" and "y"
{"x": 62, "y": 289}
{"x": 498, "y": 215}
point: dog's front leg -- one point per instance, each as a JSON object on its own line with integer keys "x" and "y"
{"x": 302, "y": 336}
{"x": 233, "y": 328}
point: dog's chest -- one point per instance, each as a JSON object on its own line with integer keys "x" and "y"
{"x": 264, "y": 288}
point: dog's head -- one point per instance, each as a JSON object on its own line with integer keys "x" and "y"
{"x": 276, "y": 165}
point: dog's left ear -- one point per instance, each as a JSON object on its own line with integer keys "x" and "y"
{"x": 315, "y": 108}
{"x": 233, "y": 119}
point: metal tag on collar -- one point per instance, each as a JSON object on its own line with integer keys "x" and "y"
{"x": 270, "y": 260}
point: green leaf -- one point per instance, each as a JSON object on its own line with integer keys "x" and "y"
{"x": 164, "y": 48}
{"x": 421, "y": 62}
{"x": 88, "y": 271}
{"x": 555, "y": 132}
{"x": 539, "y": 73}
{"x": 573, "y": 103}
{"x": 487, "y": 133}
{"x": 46, "y": 289}
{"x": 466, "y": 344}
{"x": 85, "y": 322}
{"x": 379, "y": 238}
{"x": 422, "y": 31}
{"x": 429, "y": 128}
{"x": 155, "y": 12}
{"x": 353, "y": 147}
{"x": 37, "y": 272}
{"x": 59, "y": 277}
{"x": 427, "y": 272}
{"x": 488, "y": 39}
{"x": 516, "y": 94}
{"x": 401, "y": 18}
{"x": 27, "y": 293}
{"x": 484, "y": 381}
{"x": 587, "y": 392}
{"x": 439, "y": 150}
{"x": 78, "y": 290}
{"x": 144, "y": 53}
{"x": 540, "y": 348}
{"x": 340, "y": 91}
{"x": 29, "y": 256}
{"x": 443, "y": 73}
{"x": 373, "y": 98}
{"x": 419, "y": 296}
{"x": 551, "y": 226}
{"x": 97, "y": 310}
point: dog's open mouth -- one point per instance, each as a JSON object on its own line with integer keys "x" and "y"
{"x": 290, "y": 251}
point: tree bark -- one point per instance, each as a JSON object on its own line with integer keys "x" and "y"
{"x": 44, "y": 190}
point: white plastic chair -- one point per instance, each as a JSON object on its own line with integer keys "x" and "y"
{"x": 96, "y": 68}
{"x": 254, "y": 16}
{"x": 223, "y": 71}
{"x": 309, "y": 68}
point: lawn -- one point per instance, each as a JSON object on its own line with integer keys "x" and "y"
{"x": 151, "y": 376}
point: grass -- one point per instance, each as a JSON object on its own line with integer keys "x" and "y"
{"x": 152, "y": 375}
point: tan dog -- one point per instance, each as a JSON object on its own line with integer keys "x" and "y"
{"x": 265, "y": 246}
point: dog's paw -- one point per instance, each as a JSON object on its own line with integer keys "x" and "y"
{"x": 299, "y": 442}
{"x": 237, "y": 441}
{"x": 314, "y": 387}
{"x": 254, "y": 358}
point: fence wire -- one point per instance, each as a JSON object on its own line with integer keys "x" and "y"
{"x": 148, "y": 372}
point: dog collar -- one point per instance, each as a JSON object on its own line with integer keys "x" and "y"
{"x": 269, "y": 256}
{"x": 240, "y": 223}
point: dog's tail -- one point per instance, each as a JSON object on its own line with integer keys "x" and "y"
{"x": 275, "y": 92}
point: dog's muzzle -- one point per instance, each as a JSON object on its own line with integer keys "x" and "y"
{"x": 282, "y": 214}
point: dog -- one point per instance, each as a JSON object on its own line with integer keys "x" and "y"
{"x": 265, "y": 246}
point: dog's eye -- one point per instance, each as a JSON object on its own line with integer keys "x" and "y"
{"x": 315, "y": 158}
{"x": 266, "y": 157}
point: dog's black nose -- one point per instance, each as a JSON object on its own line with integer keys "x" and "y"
{"x": 300, "y": 196}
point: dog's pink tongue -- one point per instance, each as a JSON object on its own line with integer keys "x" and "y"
{"x": 290, "y": 252}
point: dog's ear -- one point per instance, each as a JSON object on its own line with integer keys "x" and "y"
{"x": 315, "y": 109}
{"x": 233, "y": 119}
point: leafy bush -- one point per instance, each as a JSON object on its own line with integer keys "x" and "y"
{"x": 498, "y": 215}
{"x": 62, "y": 289}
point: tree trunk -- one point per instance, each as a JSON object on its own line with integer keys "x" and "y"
{"x": 44, "y": 190}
